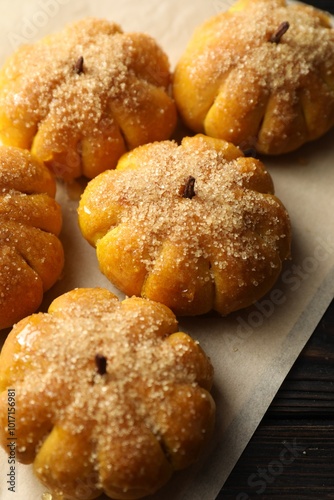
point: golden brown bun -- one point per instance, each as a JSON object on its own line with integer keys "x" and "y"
{"x": 120, "y": 427}
{"x": 31, "y": 255}
{"x": 221, "y": 249}
{"x": 80, "y": 116}
{"x": 232, "y": 82}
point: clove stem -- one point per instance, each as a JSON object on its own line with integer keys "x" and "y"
{"x": 189, "y": 188}
{"x": 283, "y": 28}
{"x": 101, "y": 364}
{"x": 78, "y": 67}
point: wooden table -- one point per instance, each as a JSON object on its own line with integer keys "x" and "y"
{"x": 291, "y": 454}
{"x": 322, "y": 4}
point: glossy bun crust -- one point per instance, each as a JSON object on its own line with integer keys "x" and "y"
{"x": 196, "y": 226}
{"x": 81, "y": 98}
{"x": 236, "y": 82}
{"x": 31, "y": 255}
{"x": 120, "y": 422}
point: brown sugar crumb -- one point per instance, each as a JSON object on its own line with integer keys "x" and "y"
{"x": 232, "y": 226}
{"x": 133, "y": 407}
{"x": 307, "y": 45}
{"x": 72, "y": 110}
{"x": 251, "y": 76}
{"x": 31, "y": 255}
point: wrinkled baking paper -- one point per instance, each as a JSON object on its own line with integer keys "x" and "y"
{"x": 252, "y": 351}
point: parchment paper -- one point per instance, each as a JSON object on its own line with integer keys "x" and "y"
{"x": 253, "y": 350}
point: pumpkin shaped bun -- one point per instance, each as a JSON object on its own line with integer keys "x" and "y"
{"x": 80, "y": 98}
{"x": 31, "y": 255}
{"x": 260, "y": 75}
{"x": 196, "y": 226}
{"x": 110, "y": 396}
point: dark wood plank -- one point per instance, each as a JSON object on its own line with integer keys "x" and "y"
{"x": 308, "y": 391}
{"x": 291, "y": 454}
{"x": 285, "y": 460}
{"x": 321, "y": 4}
